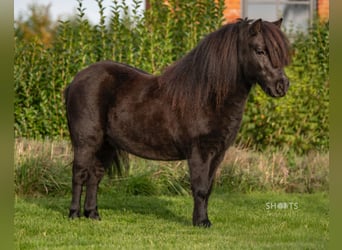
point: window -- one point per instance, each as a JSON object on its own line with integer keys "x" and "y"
{"x": 297, "y": 14}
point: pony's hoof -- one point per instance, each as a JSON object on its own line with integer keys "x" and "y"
{"x": 204, "y": 223}
{"x": 92, "y": 214}
{"x": 73, "y": 213}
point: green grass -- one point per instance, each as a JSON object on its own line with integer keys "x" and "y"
{"x": 240, "y": 221}
{"x": 151, "y": 207}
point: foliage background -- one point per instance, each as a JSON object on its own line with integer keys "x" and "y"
{"x": 48, "y": 55}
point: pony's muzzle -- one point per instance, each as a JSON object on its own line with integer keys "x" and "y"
{"x": 281, "y": 87}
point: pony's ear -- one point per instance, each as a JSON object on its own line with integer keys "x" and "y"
{"x": 279, "y": 22}
{"x": 255, "y": 27}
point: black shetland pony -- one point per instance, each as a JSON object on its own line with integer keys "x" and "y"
{"x": 192, "y": 111}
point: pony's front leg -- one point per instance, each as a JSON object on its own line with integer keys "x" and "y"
{"x": 202, "y": 173}
{"x": 200, "y": 186}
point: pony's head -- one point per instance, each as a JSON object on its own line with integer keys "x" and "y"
{"x": 263, "y": 53}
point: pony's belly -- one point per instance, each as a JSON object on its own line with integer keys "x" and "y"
{"x": 145, "y": 130}
{"x": 162, "y": 151}
{"x": 161, "y": 155}
{"x": 152, "y": 143}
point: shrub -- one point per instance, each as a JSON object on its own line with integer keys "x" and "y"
{"x": 42, "y": 72}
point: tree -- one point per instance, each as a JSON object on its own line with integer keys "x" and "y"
{"x": 37, "y": 26}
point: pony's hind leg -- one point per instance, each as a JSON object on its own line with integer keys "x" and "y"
{"x": 87, "y": 170}
{"x": 95, "y": 174}
{"x": 79, "y": 177}
{"x": 102, "y": 160}
{"x": 77, "y": 183}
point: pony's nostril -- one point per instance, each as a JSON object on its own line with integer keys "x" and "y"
{"x": 286, "y": 83}
{"x": 282, "y": 86}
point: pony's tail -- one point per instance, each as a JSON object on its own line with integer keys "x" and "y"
{"x": 119, "y": 165}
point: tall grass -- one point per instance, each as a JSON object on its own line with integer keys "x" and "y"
{"x": 44, "y": 167}
{"x": 247, "y": 170}
{"x": 152, "y": 40}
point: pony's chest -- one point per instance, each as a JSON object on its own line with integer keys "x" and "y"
{"x": 222, "y": 129}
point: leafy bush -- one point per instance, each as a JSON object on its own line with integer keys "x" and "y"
{"x": 152, "y": 41}
{"x": 42, "y": 72}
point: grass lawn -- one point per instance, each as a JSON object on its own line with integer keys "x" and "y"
{"x": 240, "y": 221}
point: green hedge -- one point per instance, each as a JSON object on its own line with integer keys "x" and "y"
{"x": 151, "y": 42}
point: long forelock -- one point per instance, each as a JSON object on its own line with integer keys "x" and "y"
{"x": 277, "y": 45}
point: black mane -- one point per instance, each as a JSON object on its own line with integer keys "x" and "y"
{"x": 209, "y": 72}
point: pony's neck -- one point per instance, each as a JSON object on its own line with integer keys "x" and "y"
{"x": 207, "y": 74}
{"x": 238, "y": 96}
